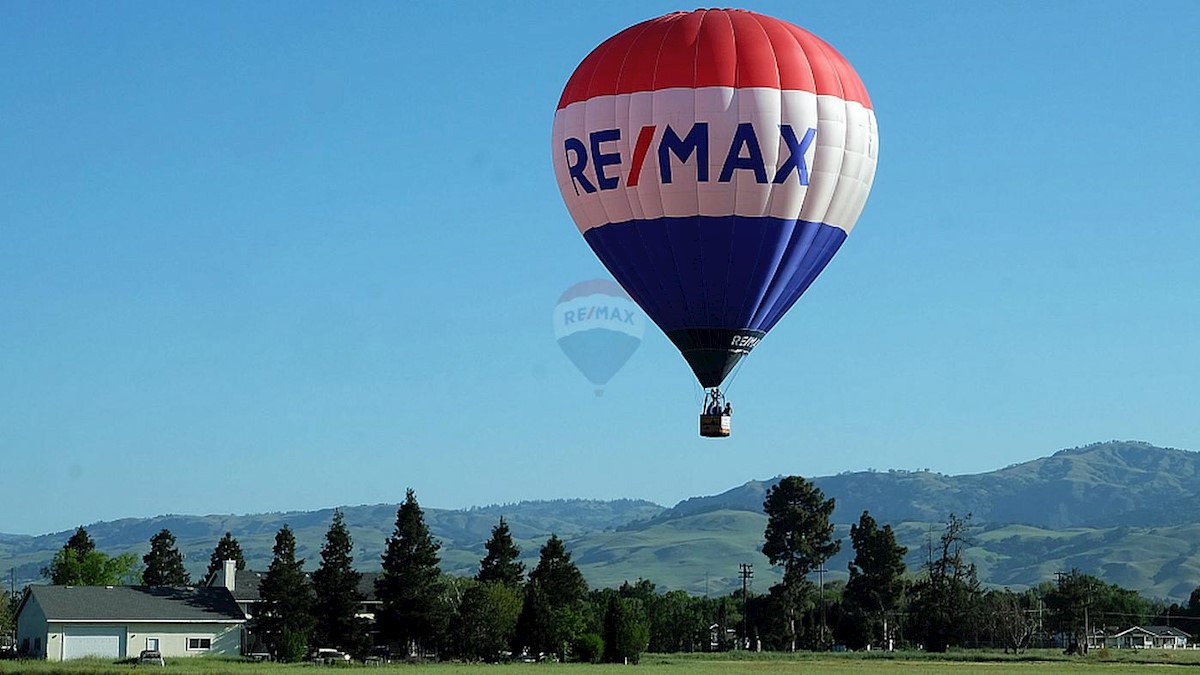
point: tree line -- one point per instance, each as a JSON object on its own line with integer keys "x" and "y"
{"x": 938, "y": 606}
{"x": 550, "y": 612}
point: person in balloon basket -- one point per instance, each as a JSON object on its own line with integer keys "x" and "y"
{"x": 714, "y": 408}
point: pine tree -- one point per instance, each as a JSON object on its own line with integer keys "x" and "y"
{"x": 626, "y": 629}
{"x": 338, "y": 599}
{"x": 799, "y": 538}
{"x": 284, "y": 618}
{"x": 873, "y": 593}
{"x": 81, "y": 543}
{"x": 551, "y": 617}
{"x": 500, "y": 565}
{"x": 227, "y": 549}
{"x": 558, "y": 577}
{"x": 410, "y": 586}
{"x": 164, "y": 562}
{"x": 534, "y": 633}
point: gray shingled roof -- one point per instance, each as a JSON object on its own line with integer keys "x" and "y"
{"x": 136, "y": 603}
{"x": 245, "y": 585}
{"x": 1167, "y": 631}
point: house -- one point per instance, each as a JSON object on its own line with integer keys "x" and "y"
{"x": 1150, "y": 637}
{"x": 243, "y": 584}
{"x": 117, "y": 622}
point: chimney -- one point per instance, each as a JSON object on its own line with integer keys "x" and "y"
{"x": 229, "y": 574}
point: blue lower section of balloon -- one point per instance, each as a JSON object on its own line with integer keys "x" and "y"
{"x": 732, "y": 272}
{"x": 599, "y": 353}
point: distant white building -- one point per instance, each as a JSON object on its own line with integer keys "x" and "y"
{"x": 1138, "y": 637}
{"x": 1150, "y": 637}
{"x": 59, "y": 623}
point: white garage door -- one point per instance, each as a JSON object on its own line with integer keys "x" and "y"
{"x": 103, "y": 641}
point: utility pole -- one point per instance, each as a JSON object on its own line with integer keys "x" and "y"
{"x": 1087, "y": 630}
{"x": 746, "y": 572}
{"x": 821, "y": 576}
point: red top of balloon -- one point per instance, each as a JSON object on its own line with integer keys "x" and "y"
{"x": 713, "y": 48}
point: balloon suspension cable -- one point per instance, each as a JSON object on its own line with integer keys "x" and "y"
{"x": 733, "y": 376}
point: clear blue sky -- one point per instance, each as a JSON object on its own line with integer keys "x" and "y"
{"x": 271, "y": 256}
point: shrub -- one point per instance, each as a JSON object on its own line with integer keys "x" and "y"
{"x": 589, "y": 648}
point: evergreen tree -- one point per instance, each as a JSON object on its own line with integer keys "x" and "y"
{"x": 1185, "y": 617}
{"x": 558, "y": 577}
{"x": 876, "y": 586}
{"x": 534, "y": 633}
{"x": 500, "y": 565}
{"x": 410, "y": 585}
{"x": 227, "y": 549}
{"x": 80, "y": 542}
{"x": 799, "y": 538}
{"x": 164, "y": 562}
{"x": 284, "y": 618}
{"x": 337, "y": 596}
{"x": 626, "y": 629}
{"x": 552, "y": 618}
{"x": 1191, "y": 610}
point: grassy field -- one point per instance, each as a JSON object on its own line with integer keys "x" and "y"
{"x": 901, "y": 663}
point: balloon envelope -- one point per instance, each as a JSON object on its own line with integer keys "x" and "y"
{"x": 715, "y": 161}
{"x": 598, "y": 327}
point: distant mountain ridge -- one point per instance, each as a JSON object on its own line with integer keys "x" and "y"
{"x": 1097, "y": 485}
{"x": 462, "y": 532}
{"x": 1124, "y": 510}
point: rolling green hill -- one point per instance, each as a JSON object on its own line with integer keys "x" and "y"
{"x": 702, "y": 551}
{"x": 1124, "y": 511}
{"x": 1102, "y": 484}
{"x": 462, "y": 532}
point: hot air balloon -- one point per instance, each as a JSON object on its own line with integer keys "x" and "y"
{"x": 715, "y": 161}
{"x": 598, "y": 327}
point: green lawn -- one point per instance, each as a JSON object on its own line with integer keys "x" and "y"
{"x": 902, "y": 663}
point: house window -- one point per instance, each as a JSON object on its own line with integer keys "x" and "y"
{"x": 152, "y": 644}
{"x": 197, "y": 643}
